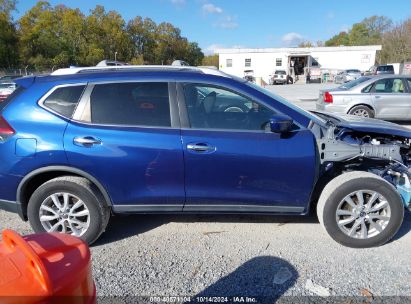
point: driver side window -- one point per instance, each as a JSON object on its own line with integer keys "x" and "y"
{"x": 210, "y": 107}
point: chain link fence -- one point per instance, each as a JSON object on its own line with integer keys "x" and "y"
{"x": 22, "y": 71}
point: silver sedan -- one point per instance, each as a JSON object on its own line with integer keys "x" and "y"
{"x": 347, "y": 75}
{"x": 385, "y": 97}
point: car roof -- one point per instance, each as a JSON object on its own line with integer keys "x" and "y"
{"x": 372, "y": 79}
{"x": 114, "y": 73}
{"x": 137, "y": 68}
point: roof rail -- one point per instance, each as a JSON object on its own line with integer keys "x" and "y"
{"x": 78, "y": 70}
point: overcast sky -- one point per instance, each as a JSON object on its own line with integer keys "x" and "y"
{"x": 248, "y": 23}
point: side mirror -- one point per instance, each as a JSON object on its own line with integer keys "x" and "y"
{"x": 280, "y": 123}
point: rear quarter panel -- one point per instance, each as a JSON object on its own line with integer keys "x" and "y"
{"x": 38, "y": 141}
{"x": 347, "y": 100}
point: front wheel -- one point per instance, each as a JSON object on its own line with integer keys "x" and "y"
{"x": 70, "y": 205}
{"x": 359, "y": 209}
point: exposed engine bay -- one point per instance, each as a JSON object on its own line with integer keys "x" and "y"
{"x": 342, "y": 149}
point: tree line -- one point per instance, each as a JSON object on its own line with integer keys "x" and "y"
{"x": 50, "y": 37}
{"x": 376, "y": 30}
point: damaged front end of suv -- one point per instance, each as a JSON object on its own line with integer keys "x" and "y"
{"x": 365, "y": 173}
{"x": 385, "y": 155}
{"x": 378, "y": 147}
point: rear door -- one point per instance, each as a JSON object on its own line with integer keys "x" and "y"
{"x": 233, "y": 164}
{"x": 391, "y": 99}
{"x": 125, "y": 134}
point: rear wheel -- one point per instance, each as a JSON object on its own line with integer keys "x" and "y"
{"x": 362, "y": 111}
{"x": 360, "y": 209}
{"x": 70, "y": 205}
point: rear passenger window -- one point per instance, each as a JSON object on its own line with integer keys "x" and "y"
{"x": 135, "y": 104}
{"x": 64, "y": 100}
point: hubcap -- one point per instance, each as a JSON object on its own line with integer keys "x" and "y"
{"x": 64, "y": 212}
{"x": 363, "y": 214}
{"x": 361, "y": 112}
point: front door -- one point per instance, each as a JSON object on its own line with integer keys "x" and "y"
{"x": 233, "y": 164}
{"x": 391, "y": 99}
{"x": 126, "y": 139}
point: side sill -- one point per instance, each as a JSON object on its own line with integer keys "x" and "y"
{"x": 206, "y": 209}
{"x": 146, "y": 208}
{"x": 243, "y": 209}
{"x": 12, "y": 206}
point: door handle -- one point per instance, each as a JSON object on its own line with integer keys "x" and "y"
{"x": 377, "y": 97}
{"x": 86, "y": 141}
{"x": 200, "y": 147}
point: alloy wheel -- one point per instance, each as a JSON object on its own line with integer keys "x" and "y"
{"x": 66, "y": 213}
{"x": 363, "y": 214}
{"x": 361, "y": 112}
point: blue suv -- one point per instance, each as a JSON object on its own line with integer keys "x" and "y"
{"x": 82, "y": 144}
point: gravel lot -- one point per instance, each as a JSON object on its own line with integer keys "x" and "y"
{"x": 273, "y": 257}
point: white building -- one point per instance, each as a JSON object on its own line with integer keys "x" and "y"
{"x": 263, "y": 62}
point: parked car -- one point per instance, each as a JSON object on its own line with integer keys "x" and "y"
{"x": 114, "y": 63}
{"x": 85, "y": 143}
{"x": 279, "y": 77}
{"x": 249, "y": 75}
{"x": 380, "y": 69}
{"x": 6, "y": 88}
{"x": 385, "y": 97}
{"x": 347, "y": 75}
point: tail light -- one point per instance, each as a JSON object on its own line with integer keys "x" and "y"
{"x": 5, "y": 129}
{"x": 328, "y": 97}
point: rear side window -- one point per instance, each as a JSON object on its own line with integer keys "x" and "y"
{"x": 386, "y": 68}
{"x": 131, "y": 103}
{"x": 64, "y": 100}
{"x": 367, "y": 89}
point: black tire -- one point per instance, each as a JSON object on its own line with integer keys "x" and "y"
{"x": 336, "y": 190}
{"x": 81, "y": 188}
{"x": 362, "y": 109}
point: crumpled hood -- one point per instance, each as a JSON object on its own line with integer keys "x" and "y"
{"x": 370, "y": 125}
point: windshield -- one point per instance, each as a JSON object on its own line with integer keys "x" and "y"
{"x": 354, "y": 83}
{"x": 285, "y": 102}
{"x": 353, "y": 71}
{"x": 280, "y": 72}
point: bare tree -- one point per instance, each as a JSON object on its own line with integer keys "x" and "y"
{"x": 396, "y": 43}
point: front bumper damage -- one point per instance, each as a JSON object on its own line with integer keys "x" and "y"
{"x": 382, "y": 156}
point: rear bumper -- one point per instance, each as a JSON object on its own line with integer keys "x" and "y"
{"x": 339, "y": 109}
{"x": 11, "y": 206}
